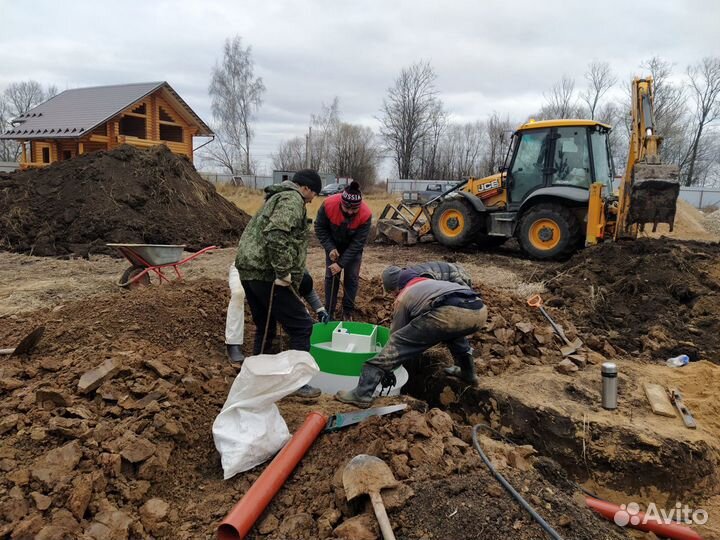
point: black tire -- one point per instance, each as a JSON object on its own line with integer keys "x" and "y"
{"x": 455, "y": 223}
{"x": 549, "y": 231}
{"x": 130, "y": 273}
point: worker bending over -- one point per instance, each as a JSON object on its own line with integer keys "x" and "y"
{"x": 427, "y": 312}
{"x": 441, "y": 270}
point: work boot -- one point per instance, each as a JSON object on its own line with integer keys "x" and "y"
{"x": 464, "y": 368}
{"x": 362, "y": 395}
{"x": 307, "y": 392}
{"x": 235, "y": 353}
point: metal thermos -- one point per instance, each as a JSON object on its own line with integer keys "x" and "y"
{"x": 609, "y": 385}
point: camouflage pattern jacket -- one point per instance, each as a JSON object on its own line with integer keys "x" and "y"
{"x": 275, "y": 241}
{"x": 443, "y": 271}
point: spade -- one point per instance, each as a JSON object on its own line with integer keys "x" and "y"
{"x": 366, "y": 474}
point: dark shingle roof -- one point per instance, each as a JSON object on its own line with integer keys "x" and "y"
{"x": 75, "y": 113}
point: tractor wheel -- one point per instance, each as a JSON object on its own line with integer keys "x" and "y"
{"x": 130, "y": 273}
{"x": 455, "y": 223}
{"x": 549, "y": 231}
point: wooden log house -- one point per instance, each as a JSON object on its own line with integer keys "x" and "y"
{"x": 100, "y": 118}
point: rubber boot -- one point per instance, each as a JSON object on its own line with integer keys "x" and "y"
{"x": 464, "y": 368}
{"x": 362, "y": 395}
{"x": 307, "y": 392}
{"x": 235, "y": 353}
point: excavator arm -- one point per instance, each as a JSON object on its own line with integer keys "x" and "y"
{"x": 649, "y": 189}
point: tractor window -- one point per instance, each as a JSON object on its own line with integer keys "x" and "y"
{"x": 571, "y": 162}
{"x": 601, "y": 157}
{"x": 527, "y": 168}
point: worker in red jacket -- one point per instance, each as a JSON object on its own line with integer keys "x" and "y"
{"x": 342, "y": 227}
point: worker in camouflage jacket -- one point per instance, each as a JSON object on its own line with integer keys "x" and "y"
{"x": 271, "y": 262}
{"x": 441, "y": 270}
{"x": 427, "y": 312}
{"x": 342, "y": 227}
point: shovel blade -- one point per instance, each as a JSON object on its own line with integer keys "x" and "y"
{"x": 366, "y": 474}
{"x": 29, "y": 342}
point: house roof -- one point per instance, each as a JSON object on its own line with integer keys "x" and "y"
{"x": 77, "y": 112}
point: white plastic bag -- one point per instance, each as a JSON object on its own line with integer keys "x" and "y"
{"x": 249, "y": 429}
{"x": 235, "y": 320}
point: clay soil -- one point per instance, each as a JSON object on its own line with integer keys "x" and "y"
{"x": 134, "y": 458}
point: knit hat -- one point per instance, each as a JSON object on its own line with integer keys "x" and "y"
{"x": 308, "y": 178}
{"x": 390, "y": 278}
{"x": 351, "y": 195}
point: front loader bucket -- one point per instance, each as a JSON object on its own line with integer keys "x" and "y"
{"x": 653, "y": 194}
{"x": 399, "y": 224}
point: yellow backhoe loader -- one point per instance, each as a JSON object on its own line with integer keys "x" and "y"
{"x": 554, "y": 193}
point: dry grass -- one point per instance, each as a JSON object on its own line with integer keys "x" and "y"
{"x": 250, "y": 200}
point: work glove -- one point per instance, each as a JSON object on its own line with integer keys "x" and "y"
{"x": 323, "y": 316}
{"x": 284, "y": 281}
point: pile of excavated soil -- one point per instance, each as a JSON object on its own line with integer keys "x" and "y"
{"x": 712, "y": 222}
{"x": 690, "y": 224}
{"x": 134, "y": 457}
{"x": 657, "y": 298}
{"x": 126, "y": 195}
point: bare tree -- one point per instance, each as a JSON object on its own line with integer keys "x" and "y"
{"x": 18, "y": 98}
{"x": 325, "y": 126}
{"x": 290, "y": 155}
{"x": 407, "y": 113}
{"x": 428, "y": 166}
{"x": 236, "y": 96}
{"x": 498, "y": 131}
{"x": 705, "y": 89}
{"x": 355, "y": 153}
{"x": 600, "y": 79}
{"x": 560, "y": 102}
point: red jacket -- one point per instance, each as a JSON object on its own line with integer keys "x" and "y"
{"x": 336, "y": 231}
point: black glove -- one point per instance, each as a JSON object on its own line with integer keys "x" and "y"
{"x": 323, "y": 316}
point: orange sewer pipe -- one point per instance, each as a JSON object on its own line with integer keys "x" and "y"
{"x": 243, "y": 515}
{"x": 669, "y": 530}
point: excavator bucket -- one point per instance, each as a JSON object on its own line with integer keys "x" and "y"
{"x": 653, "y": 195}
{"x": 400, "y": 224}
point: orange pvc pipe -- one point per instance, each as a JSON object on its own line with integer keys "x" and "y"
{"x": 669, "y": 530}
{"x": 245, "y": 513}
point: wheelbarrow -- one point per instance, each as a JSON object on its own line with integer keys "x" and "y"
{"x": 146, "y": 258}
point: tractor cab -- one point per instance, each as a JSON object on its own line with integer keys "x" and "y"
{"x": 557, "y": 158}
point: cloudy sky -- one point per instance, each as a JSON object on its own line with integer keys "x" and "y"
{"x": 488, "y": 55}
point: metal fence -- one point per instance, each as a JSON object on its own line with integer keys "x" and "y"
{"x": 701, "y": 197}
{"x": 398, "y": 186}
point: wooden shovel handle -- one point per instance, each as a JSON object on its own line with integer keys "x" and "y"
{"x": 381, "y": 516}
{"x": 7, "y": 351}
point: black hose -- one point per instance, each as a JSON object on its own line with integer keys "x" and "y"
{"x": 500, "y": 478}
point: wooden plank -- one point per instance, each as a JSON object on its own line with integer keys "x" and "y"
{"x": 659, "y": 401}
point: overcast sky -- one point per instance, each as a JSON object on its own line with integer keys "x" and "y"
{"x": 488, "y": 55}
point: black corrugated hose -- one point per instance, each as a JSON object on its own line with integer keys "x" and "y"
{"x": 500, "y": 478}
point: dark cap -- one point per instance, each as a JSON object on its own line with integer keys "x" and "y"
{"x": 308, "y": 178}
{"x": 351, "y": 195}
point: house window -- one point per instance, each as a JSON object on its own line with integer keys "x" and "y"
{"x": 132, "y": 126}
{"x": 171, "y": 133}
{"x": 46, "y": 154}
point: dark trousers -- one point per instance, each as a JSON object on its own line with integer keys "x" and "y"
{"x": 444, "y": 324}
{"x": 287, "y": 309}
{"x": 350, "y": 284}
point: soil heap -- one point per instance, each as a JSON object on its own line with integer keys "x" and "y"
{"x": 655, "y": 297}
{"x": 125, "y": 195}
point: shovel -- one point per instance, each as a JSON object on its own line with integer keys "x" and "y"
{"x": 28, "y": 343}
{"x": 571, "y": 347}
{"x": 366, "y": 474}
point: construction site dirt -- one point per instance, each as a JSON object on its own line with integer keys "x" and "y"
{"x": 134, "y": 457}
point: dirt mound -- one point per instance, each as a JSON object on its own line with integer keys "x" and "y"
{"x": 658, "y": 298}
{"x": 134, "y": 456}
{"x": 122, "y": 196}
{"x": 712, "y": 222}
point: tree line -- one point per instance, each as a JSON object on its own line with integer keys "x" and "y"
{"x": 417, "y": 134}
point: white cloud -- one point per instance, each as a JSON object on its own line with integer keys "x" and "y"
{"x": 489, "y": 56}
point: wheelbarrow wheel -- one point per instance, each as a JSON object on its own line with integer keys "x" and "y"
{"x": 130, "y": 273}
